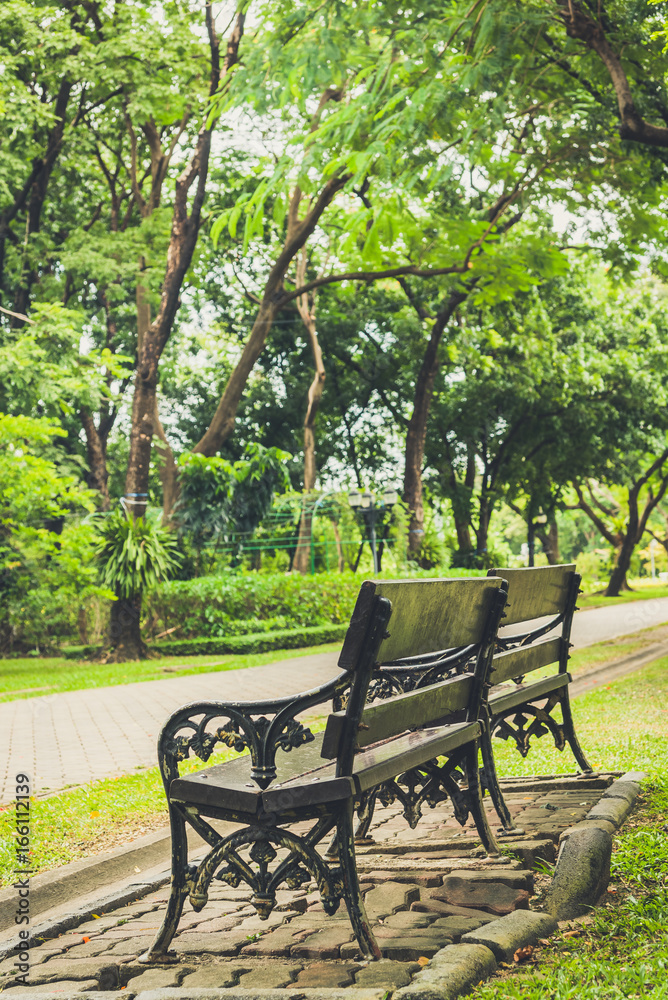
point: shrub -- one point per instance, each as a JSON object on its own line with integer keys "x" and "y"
{"x": 232, "y": 604}
{"x": 237, "y": 604}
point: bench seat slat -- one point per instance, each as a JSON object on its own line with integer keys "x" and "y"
{"x": 393, "y": 757}
{"x": 305, "y": 779}
{"x": 204, "y": 787}
{"x": 515, "y": 662}
{"x": 525, "y": 694}
{"x": 374, "y": 765}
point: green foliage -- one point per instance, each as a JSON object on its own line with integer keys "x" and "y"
{"x": 221, "y": 498}
{"x": 232, "y": 604}
{"x": 41, "y": 366}
{"x": 136, "y": 554}
{"x": 238, "y": 641}
{"x": 46, "y": 554}
{"x": 203, "y": 510}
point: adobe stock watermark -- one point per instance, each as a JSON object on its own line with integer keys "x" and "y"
{"x": 21, "y": 884}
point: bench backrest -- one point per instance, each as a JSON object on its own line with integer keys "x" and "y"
{"x": 535, "y": 594}
{"x": 417, "y": 618}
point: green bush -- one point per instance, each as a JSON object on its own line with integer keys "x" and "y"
{"x": 230, "y": 604}
{"x": 258, "y": 642}
{"x": 238, "y": 604}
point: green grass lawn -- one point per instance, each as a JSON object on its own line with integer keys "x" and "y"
{"x": 642, "y": 591}
{"x": 621, "y": 950}
{"x": 31, "y": 677}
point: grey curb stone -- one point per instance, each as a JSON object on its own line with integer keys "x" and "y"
{"x": 88, "y": 995}
{"x": 627, "y": 790}
{"x": 454, "y": 970}
{"x": 73, "y": 918}
{"x": 597, "y": 824}
{"x": 613, "y": 810}
{"x": 636, "y": 776}
{"x": 583, "y": 864}
{"x": 582, "y": 873}
{"x": 504, "y": 936}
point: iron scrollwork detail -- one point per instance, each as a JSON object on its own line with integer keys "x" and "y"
{"x": 199, "y": 729}
{"x": 432, "y": 784}
{"x": 302, "y": 864}
{"x": 513, "y": 725}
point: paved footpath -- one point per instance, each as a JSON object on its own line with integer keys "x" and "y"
{"x": 80, "y": 736}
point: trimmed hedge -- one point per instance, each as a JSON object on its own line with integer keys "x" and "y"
{"x": 258, "y": 642}
{"x": 232, "y": 605}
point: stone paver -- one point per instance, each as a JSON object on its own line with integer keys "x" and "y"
{"x": 423, "y": 930}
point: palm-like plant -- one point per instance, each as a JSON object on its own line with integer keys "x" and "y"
{"x": 135, "y": 554}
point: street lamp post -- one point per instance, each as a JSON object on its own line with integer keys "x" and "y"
{"x": 373, "y": 511}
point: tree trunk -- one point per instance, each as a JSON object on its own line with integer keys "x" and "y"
{"x": 630, "y": 539}
{"x": 41, "y": 175}
{"x": 98, "y": 475}
{"x": 417, "y": 425}
{"x": 550, "y": 541}
{"x": 485, "y": 516}
{"x": 167, "y": 468}
{"x": 125, "y": 639}
{"x": 273, "y": 300}
{"x": 182, "y": 242}
{"x": 82, "y": 625}
{"x": 461, "y": 509}
{"x": 302, "y": 559}
{"x": 618, "y": 581}
{"x": 339, "y": 548}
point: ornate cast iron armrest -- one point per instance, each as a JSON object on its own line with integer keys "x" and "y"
{"x": 242, "y": 725}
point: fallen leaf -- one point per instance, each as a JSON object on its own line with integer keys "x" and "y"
{"x": 423, "y": 961}
{"x": 572, "y": 934}
{"x": 523, "y": 954}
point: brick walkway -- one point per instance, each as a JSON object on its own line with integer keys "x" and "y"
{"x": 425, "y": 889}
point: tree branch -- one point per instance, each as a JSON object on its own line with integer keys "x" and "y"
{"x": 632, "y": 126}
{"x": 594, "y": 518}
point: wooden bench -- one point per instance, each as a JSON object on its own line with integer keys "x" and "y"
{"x": 535, "y": 634}
{"x": 541, "y": 600}
{"x": 291, "y": 775}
